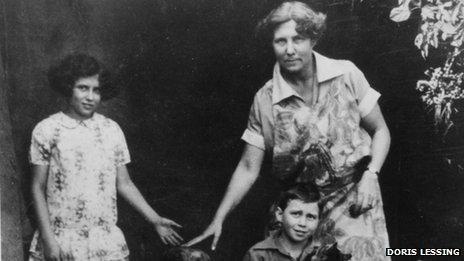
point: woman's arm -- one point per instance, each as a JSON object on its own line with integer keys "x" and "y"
{"x": 52, "y": 250}
{"x": 131, "y": 194}
{"x": 375, "y": 124}
{"x": 244, "y": 176}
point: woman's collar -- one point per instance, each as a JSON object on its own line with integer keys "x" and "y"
{"x": 326, "y": 69}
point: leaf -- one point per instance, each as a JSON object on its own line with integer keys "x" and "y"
{"x": 448, "y": 127}
{"x": 448, "y": 161}
{"x": 437, "y": 114}
{"x": 457, "y": 41}
{"x": 448, "y": 28}
{"x": 455, "y": 13}
{"x": 445, "y": 16}
{"x": 424, "y": 27}
{"x": 434, "y": 40}
{"x": 400, "y": 14}
{"x": 444, "y": 36}
{"x": 448, "y": 4}
{"x": 427, "y": 12}
{"x": 419, "y": 40}
{"x": 425, "y": 50}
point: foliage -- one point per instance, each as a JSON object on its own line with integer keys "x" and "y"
{"x": 442, "y": 27}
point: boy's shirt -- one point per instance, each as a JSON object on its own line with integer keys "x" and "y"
{"x": 271, "y": 249}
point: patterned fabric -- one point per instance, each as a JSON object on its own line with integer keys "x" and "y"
{"x": 82, "y": 159}
{"x": 324, "y": 144}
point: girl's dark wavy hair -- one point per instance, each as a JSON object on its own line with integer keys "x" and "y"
{"x": 310, "y": 22}
{"x": 63, "y": 75}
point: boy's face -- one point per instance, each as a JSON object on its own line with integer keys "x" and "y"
{"x": 299, "y": 219}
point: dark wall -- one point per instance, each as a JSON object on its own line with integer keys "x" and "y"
{"x": 188, "y": 71}
{"x": 11, "y": 201}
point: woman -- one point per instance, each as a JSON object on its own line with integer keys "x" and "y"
{"x": 315, "y": 116}
{"x": 79, "y": 162}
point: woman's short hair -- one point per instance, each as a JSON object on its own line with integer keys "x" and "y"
{"x": 309, "y": 22}
{"x": 307, "y": 193}
{"x": 63, "y": 75}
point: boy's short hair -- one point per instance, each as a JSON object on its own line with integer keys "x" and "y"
{"x": 185, "y": 254}
{"x": 308, "y": 193}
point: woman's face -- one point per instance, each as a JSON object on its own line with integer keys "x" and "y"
{"x": 293, "y": 51}
{"x": 85, "y": 97}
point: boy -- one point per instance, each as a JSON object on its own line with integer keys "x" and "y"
{"x": 298, "y": 213}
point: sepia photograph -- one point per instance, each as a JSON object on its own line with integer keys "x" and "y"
{"x": 225, "y": 130}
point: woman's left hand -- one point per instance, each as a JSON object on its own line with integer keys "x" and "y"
{"x": 168, "y": 235}
{"x": 367, "y": 193}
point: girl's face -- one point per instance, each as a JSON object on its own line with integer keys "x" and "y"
{"x": 85, "y": 97}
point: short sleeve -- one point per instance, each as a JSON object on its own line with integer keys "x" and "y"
{"x": 121, "y": 151}
{"x": 40, "y": 150}
{"x": 366, "y": 96}
{"x": 253, "y": 134}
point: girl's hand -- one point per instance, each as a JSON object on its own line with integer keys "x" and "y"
{"x": 53, "y": 252}
{"x": 367, "y": 194}
{"x": 167, "y": 234}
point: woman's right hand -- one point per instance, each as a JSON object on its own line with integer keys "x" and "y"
{"x": 215, "y": 228}
{"x": 53, "y": 252}
{"x": 244, "y": 176}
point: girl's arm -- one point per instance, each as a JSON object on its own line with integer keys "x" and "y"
{"x": 375, "y": 124}
{"x": 52, "y": 250}
{"x": 244, "y": 176}
{"x": 131, "y": 194}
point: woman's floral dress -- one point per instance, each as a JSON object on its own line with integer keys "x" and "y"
{"x": 82, "y": 159}
{"x": 324, "y": 144}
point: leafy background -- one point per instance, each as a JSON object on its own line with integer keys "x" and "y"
{"x": 441, "y": 28}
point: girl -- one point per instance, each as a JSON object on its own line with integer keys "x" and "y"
{"x": 79, "y": 162}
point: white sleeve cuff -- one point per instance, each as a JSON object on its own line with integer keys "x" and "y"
{"x": 253, "y": 138}
{"x": 368, "y": 102}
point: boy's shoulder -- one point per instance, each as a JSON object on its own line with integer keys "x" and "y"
{"x": 268, "y": 243}
{"x": 267, "y": 249}
{"x": 270, "y": 249}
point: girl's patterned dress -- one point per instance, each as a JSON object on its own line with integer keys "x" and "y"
{"x": 82, "y": 159}
{"x": 324, "y": 144}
